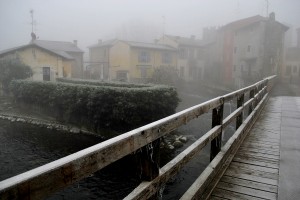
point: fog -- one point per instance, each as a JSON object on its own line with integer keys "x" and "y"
{"x": 139, "y": 20}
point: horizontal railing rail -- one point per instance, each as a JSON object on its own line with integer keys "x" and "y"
{"x": 43, "y": 181}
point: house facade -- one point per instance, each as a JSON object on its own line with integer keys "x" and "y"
{"x": 46, "y": 64}
{"x": 251, "y": 48}
{"x": 291, "y": 70}
{"x": 191, "y": 53}
{"x": 131, "y": 61}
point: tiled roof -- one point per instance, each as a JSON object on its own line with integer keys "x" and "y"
{"x": 249, "y": 21}
{"x": 57, "y": 46}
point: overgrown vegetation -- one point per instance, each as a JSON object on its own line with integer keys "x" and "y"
{"x": 12, "y": 69}
{"x": 95, "y": 107}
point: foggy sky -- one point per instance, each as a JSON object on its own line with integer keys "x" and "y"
{"x": 141, "y": 20}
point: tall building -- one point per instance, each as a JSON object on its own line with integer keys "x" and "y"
{"x": 251, "y": 49}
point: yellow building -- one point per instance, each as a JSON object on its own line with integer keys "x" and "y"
{"x": 131, "y": 61}
{"x": 48, "y": 60}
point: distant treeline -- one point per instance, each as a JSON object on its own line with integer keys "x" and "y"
{"x": 97, "y": 106}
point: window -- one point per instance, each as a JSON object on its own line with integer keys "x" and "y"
{"x": 288, "y": 70}
{"x": 295, "y": 69}
{"x": 166, "y": 57}
{"x": 46, "y": 73}
{"x": 144, "y": 57}
{"x": 235, "y": 50}
{"x": 181, "y": 72}
{"x": 200, "y": 54}
{"x": 182, "y": 53}
{"x": 249, "y": 48}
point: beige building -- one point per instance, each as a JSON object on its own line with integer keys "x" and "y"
{"x": 47, "y": 59}
{"x": 130, "y": 61}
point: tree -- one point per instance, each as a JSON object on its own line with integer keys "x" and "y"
{"x": 12, "y": 69}
{"x": 165, "y": 75}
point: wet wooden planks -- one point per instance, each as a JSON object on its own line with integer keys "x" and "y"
{"x": 253, "y": 172}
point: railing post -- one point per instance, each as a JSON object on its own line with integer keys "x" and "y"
{"x": 251, "y": 95}
{"x": 149, "y": 161}
{"x": 217, "y": 119}
{"x": 239, "y": 118}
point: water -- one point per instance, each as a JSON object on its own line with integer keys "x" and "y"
{"x": 25, "y": 147}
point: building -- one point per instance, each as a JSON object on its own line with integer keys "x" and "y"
{"x": 48, "y": 59}
{"x": 191, "y": 55}
{"x": 251, "y": 48}
{"x": 291, "y": 70}
{"x": 130, "y": 61}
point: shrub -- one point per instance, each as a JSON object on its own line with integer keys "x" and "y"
{"x": 98, "y": 107}
{"x": 12, "y": 69}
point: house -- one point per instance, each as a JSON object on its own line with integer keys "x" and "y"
{"x": 130, "y": 61}
{"x": 190, "y": 56}
{"x": 291, "y": 70}
{"x": 48, "y": 59}
{"x": 251, "y": 48}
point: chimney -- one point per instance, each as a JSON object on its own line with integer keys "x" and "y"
{"x": 99, "y": 41}
{"x": 272, "y": 16}
{"x": 75, "y": 42}
{"x": 193, "y": 37}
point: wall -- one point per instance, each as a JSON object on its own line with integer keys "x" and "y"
{"x": 119, "y": 59}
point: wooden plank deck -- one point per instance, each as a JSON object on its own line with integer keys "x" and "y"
{"x": 254, "y": 171}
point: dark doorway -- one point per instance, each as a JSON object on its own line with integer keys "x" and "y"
{"x": 46, "y": 73}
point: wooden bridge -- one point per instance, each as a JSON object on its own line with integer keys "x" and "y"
{"x": 247, "y": 166}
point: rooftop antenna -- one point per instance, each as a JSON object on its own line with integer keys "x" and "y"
{"x": 237, "y": 8}
{"x": 267, "y": 6}
{"x": 164, "y": 23}
{"x": 33, "y": 36}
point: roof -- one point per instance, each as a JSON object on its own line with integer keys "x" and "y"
{"x": 247, "y": 22}
{"x": 244, "y": 22}
{"x": 134, "y": 44}
{"x": 57, "y": 46}
{"x": 103, "y": 44}
{"x": 187, "y": 41}
{"x": 150, "y": 45}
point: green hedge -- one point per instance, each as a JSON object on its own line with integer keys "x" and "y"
{"x": 96, "y": 108}
{"x": 102, "y": 83}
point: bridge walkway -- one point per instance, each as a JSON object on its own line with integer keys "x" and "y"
{"x": 267, "y": 163}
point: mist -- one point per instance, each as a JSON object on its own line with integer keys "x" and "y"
{"x": 67, "y": 20}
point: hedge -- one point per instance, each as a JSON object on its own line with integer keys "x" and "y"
{"x": 102, "y": 83}
{"x": 98, "y": 107}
